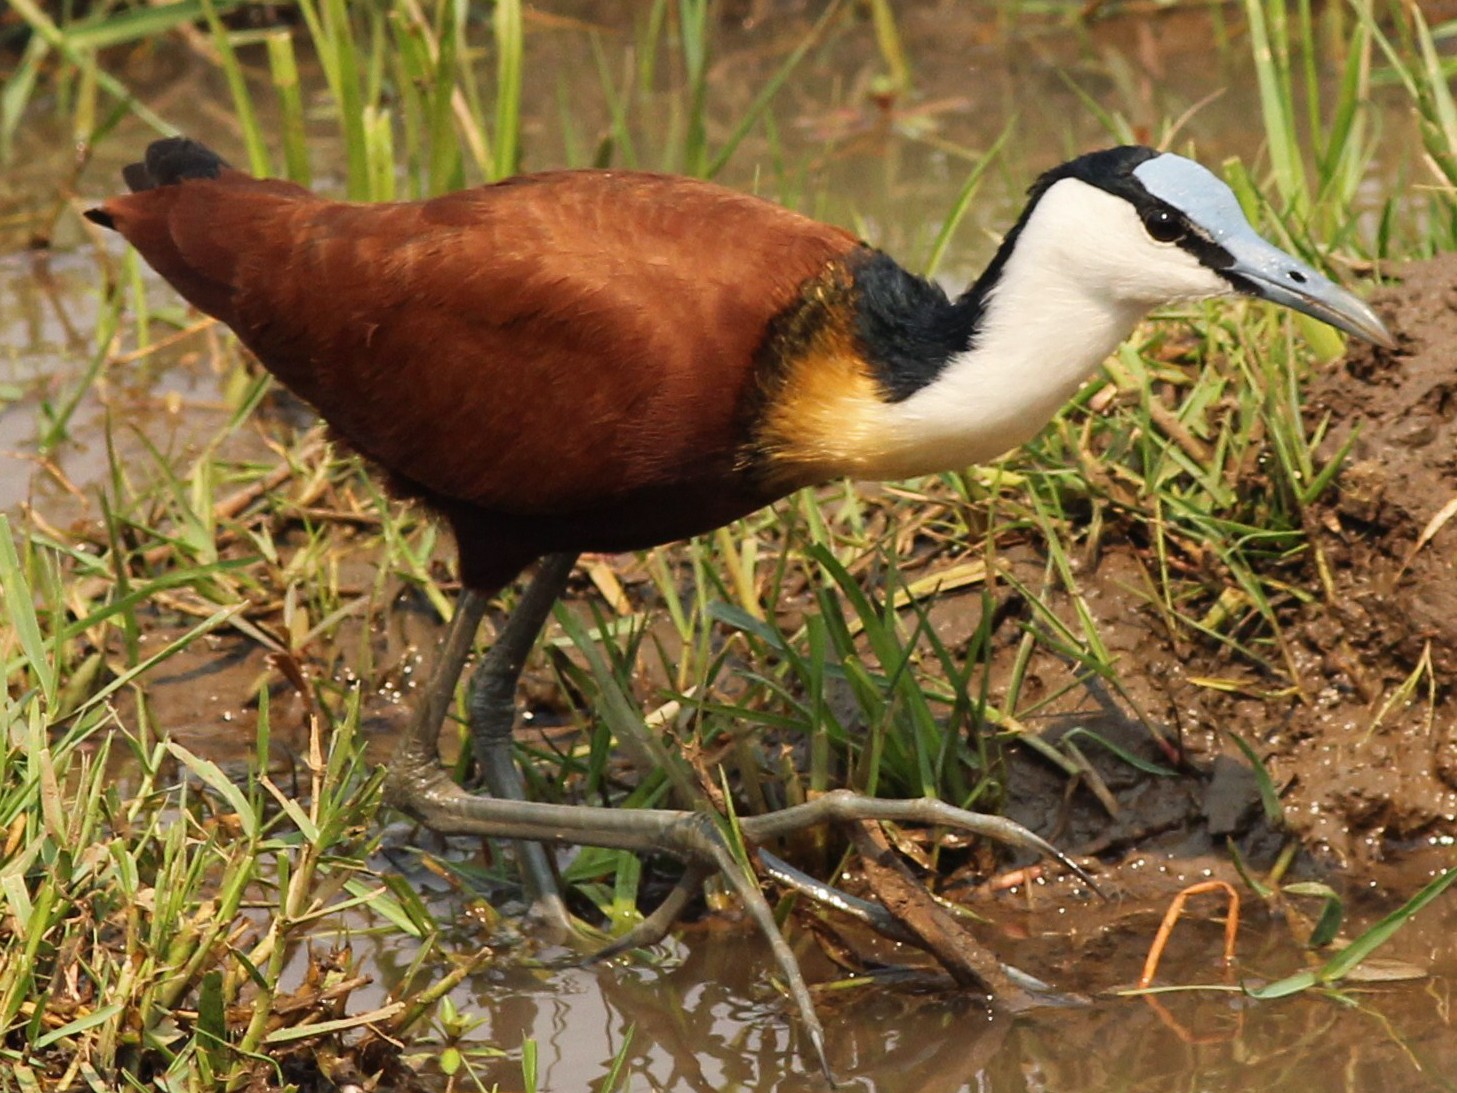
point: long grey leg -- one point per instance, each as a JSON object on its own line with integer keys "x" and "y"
{"x": 418, "y": 785}
{"x": 493, "y": 715}
{"x": 416, "y": 761}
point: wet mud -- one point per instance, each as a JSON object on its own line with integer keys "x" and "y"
{"x": 1391, "y": 548}
{"x": 1361, "y": 745}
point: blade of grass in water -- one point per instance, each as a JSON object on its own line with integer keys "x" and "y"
{"x": 771, "y": 88}
{"x": 1344, "y": 963}
{"x": 962, "y": 202}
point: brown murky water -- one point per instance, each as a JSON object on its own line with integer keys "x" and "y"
{"x": 702, "y": 1014}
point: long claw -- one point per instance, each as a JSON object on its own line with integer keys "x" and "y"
{"x": 827, "y": 895}
{"x": 887, "y": 925}
{"x": 419, "y": 786}
{"x": 655, "y": 926}
{"x": 746, "y": 885}
{"x": 426, "y": 792}
{"x": 843, "y": 805}
{"x": 493, "y": 716}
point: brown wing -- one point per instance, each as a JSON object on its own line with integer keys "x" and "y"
{"x": 543, "y": 345}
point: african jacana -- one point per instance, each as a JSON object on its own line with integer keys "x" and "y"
{"x": 607, "y": 360}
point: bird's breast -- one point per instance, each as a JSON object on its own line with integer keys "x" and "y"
{"x": 817, "y": 410}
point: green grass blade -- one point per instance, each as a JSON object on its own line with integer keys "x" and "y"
{"x": 258, "y": 162}
{"x": 1268, "y": 43}
{"x": 963, "y": 201}
{"x": 212, "y": 776}
{"x": 20, "y": 608}
{"x": 1340, "y": 965}
{"x": 1269, "y": 796}
{"x": 771, "y": 88}
{"x": 283, "y": 66}
{"x": 507, "y": 26}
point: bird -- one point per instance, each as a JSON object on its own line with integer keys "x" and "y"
{"x": 608, "y": 360}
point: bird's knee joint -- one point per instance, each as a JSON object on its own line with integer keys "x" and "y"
{"x": 492, "y": 715}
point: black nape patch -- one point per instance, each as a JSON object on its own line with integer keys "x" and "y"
{"x": 170, "y": 161}
{"x": 1109, "y": 169}
{"x": 907, "y": 328}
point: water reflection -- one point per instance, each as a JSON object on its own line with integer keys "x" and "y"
{"x": 704, "y": 1019}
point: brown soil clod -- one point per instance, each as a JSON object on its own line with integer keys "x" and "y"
{"x": 1359, "y": 732}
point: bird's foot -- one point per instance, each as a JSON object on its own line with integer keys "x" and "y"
{"x": 421, "y": 788}
{"x": 426, "y": 792}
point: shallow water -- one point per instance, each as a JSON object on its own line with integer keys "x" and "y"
{"x": 703, "y": 1014}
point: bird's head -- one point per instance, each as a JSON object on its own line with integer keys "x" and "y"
{"x": 1151, "y": 228}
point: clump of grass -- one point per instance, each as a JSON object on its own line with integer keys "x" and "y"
{"x": 148, "y": 921}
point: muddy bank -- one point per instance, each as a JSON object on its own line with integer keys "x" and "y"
{"x": 1373, "y": 755}
{"x": 1362, "y": 743}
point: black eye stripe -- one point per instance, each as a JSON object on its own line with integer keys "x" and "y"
{"x": 1167, "y": 224}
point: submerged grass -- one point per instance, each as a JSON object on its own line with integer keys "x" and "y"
{"x": 151, "y": 922}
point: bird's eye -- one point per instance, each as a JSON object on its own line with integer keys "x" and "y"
{"x": 1163, "y": 225}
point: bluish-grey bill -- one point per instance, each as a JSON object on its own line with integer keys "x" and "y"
{"x": 1258, "y": 267}
{"x": 1268, "y": 272}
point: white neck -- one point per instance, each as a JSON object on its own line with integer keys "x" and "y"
{"x": 1047, "y": 325}
{"x": 1077, "y": 279}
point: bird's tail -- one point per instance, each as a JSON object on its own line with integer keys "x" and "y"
{"x": 189, "y": 214}
{"x": 165, "y": 163}
{"x": 170, "y": 161}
